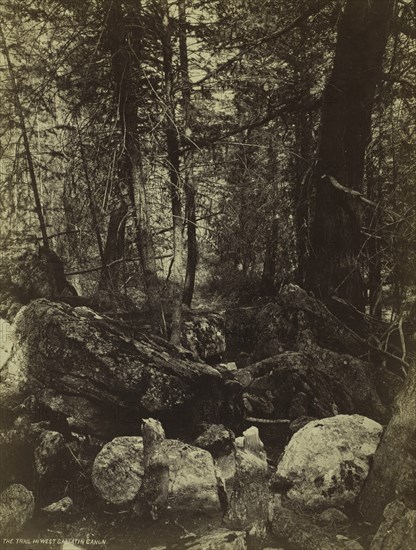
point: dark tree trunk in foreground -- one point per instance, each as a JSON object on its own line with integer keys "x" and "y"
{"x": 345, "y": 131}
{"x": 393, "y": 474}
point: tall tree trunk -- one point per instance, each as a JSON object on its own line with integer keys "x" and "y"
{"x": 374, "y": 248}
{"x": 345, "y": 130}
{"x": 28, "y": 152}
{"x": 304, "y": 150}
{"x": 114, "y": 247}
{"x": 189, "y": 184}
{"x": 268, "y": 279}
{"x": 91, "y": 203}
{"x": 172, "y": 142}
{"x": 124, "y": 49}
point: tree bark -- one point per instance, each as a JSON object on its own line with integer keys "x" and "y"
{"x": 348, "y": 99}
{"x": 91, "y": 203}
{"x": 114, "y": 246}
{"x": 123, "y": 51}
{"x": 374, "y": 247}
{"x": 268, "y": 282}
{"x": 189, "y": 184}
{"x": 172, "y": 143}
{"x": 303, "y": 126}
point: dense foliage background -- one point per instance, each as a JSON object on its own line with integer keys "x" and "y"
{"x": 166, "y": 139}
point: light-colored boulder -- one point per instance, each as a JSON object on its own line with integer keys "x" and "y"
{"x": 63, "y": 506}
{"x": 222, "y": 539}
{"x": 326, "y": 462}
{"x": 118, "y": 469}
{"x": 16, "y": 509}
{"x": 177, "y": 476}
{"x": 398, "y": 529}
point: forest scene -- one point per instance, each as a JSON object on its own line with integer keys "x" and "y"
{"x": 208, "y": 274}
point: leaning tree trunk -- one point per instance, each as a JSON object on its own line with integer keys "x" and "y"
{"x": 393, "y": 474}
{"x": 345, "y": 131}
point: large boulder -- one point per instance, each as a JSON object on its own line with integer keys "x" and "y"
{"x": 178, "y": 478}
{"x": 205, "y": 336}
{"x": 118, "y": 470}
{"x": 326, "y": 462}
{"x": 16, "y": 509}
{"x": 315, "y": 382}
{"x": 84, "y": 367}
{"x": 397, "y": 530}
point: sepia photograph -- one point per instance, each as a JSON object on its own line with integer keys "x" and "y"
{"x": 207, "y": 274}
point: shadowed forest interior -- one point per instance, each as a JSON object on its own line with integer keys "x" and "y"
{"x": 208, "y": 222}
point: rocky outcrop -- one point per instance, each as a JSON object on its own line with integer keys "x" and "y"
{"x": 244, "y": 478}
{"x": 302, "y": 532}
{"x": 326, "y": 462}
{"x": 60, "y": 508}
{"x": 315, "y": 382}
{"x": 239, "y": 330}
{"x": 217, "y": 439}
{"x": 35, "y": 274}
{"x": 13, "y": 371}
{"x": 204, "y": 336}
{"x": 16, "y": 456}
{"x": 83, "y": 367}
{"x": 118, "y": 470}
{"x": 221, "y": 539}
{"x": 52, "y": 457}
{"x": 393, "y": 474}
{"x": 16, "y": 509}
{"x": 397, "y": 530}
{"x": 179, "y": 479}
{"x": 298, "y": 320}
